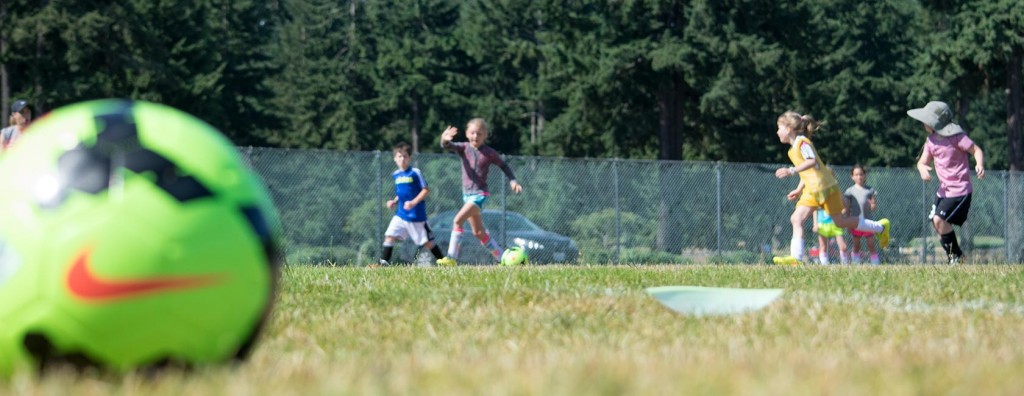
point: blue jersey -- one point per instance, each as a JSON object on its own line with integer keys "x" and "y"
{"x": 408, "y": 184}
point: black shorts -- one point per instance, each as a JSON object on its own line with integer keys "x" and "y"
{"x": 952, "y": 209}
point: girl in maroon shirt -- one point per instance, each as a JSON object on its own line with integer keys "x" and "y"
{"x": 477, "y": 158}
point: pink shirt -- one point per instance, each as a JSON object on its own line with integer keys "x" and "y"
{"x": 952, "y": 163}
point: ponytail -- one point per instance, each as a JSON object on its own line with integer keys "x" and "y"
{"x": 800, "y": 123}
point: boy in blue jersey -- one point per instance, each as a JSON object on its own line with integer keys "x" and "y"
{"x": 410, "y": 220}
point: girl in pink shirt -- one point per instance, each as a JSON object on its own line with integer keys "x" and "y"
{"x": 948, "y": 147}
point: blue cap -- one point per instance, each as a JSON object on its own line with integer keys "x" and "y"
{"x": 19, "y": 105}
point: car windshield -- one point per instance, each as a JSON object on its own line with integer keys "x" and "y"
{"x": 513, "y": 221}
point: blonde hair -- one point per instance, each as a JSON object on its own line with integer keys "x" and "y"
{"x": 480, "y": 122}
{"x": 800, "y": 124}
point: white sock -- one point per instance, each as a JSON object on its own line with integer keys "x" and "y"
{"x": 453, "y": 243}
{"x": 855, "y": 258}
{"x": 492, "y": 246}
{"x": 869, "y": 226}
{"x": 796, "y": 248}
{"x": 874, "y": 259}
{"x": 823, "y": 258}
{"x": 844, "y": 258}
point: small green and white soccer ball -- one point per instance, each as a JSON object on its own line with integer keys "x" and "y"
{"x": 514, "y": 256}
{"x": 132, "y": 235}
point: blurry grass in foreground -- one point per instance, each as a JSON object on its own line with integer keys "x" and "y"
{"x": 593, "y": 330}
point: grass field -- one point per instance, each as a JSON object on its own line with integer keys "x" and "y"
{"x": 594, "y": 331}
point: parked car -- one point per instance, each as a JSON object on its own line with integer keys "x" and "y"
{"x": 542, "y": 247}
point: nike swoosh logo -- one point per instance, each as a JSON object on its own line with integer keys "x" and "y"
{"x": 84, "y": 284}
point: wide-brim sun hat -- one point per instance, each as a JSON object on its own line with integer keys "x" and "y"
{"x": 938, "y": 116}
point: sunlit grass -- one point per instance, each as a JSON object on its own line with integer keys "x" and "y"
{"x": 593, "y": 330}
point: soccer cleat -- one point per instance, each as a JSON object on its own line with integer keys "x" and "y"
{"x": 955, "y": 260}
{"x": 883, "y": 237}
{"x": 447, "y": 262}
{"x": 786, "y": 260}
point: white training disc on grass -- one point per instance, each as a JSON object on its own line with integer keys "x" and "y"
{"x": 697, "y": 300}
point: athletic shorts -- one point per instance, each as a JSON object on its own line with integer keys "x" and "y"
{"x": 951, "y": 209}
{"x": 476, "y": 199}
{"x": 829, "y": 230}
{"x": 830, "y": 199}
{"x": 861, "y": 234}
{"x": 416, "y": 231}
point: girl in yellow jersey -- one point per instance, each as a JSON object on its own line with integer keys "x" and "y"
{"x": 817, "y": 187}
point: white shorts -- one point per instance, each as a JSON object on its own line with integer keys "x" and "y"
{"x": 417, "y": 231}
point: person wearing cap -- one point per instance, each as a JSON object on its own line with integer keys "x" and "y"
{"x": 21, "y": 116}
{"x": 947, "y": 147}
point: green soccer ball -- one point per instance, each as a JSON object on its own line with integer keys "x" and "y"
{"x": 514, "y": 256}
{"x": 131, "y": 235}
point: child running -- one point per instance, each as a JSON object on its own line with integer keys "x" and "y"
{"x": 948, "y": 146}
{"x": 861, "y": 202}
{"x": 410, "y": 219}
{"x": 826, "y": 230}
{"x": 817, "y": 187}
{"x": 477, "y": 158}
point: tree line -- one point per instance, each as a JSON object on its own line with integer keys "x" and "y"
{"x": 655, "y": 79}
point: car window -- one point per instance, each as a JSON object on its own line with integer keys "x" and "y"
{"x": 513, "y": 222}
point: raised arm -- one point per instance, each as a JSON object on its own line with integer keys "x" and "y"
{"x": 447, "y": 136}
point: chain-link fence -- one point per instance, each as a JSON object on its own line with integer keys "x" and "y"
{"x": 599, "y": 211}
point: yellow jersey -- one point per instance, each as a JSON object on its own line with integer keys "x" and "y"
{"x": 817, "y": 178}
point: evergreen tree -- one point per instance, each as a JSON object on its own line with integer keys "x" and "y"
{"x": 972, "y": 55}
{"x": 199, "y": 57}
{"x": 668, "y": 79}
{"x": 421, "y": 76}
{"x": 324, "y": 69}
{"x": 507, "y": 39}
{"x": 844, "y": 64}
{"x": 617, "y": 102}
